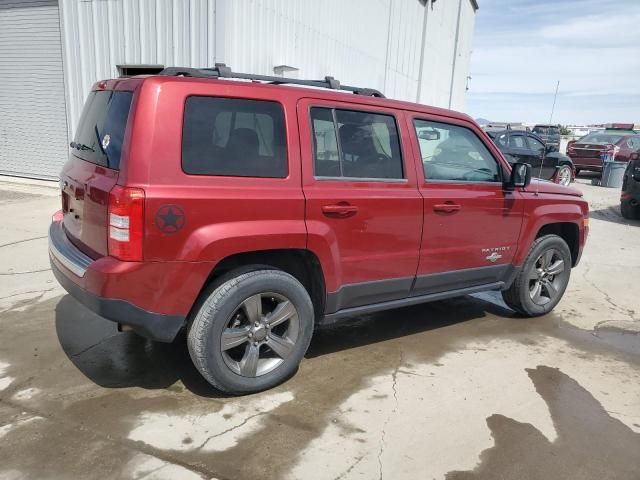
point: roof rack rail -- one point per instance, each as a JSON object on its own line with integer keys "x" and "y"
{"x": 222, "y": 71}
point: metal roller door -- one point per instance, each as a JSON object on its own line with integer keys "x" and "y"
{"x": 33, "y": 121}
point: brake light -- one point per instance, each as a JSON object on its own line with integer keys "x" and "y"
{"x": 126, "y": 223}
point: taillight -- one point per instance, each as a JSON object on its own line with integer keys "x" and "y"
{"x": 126, "y": 223}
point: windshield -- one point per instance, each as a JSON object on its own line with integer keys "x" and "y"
{"x": 101, "y": 128}
{"x": 600, "y": 138}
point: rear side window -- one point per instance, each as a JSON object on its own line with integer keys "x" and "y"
{"x": 355, "y": 144}
{"x": 234, "y": 137}
{"x": 517, "y": 141}
{"x": 101, "y": 128}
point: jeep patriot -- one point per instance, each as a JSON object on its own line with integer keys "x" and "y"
{"x": 246, "y": 212}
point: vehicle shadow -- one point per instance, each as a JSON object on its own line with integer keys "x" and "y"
{"x": 112, "y": 359}
{"x": 612, "y": 214}
{"x": 115, "y": 359}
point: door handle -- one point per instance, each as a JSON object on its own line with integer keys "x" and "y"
{"x": 340, "y": 210}
{"x": 447, "y": 207}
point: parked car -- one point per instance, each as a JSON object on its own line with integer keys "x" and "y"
{"x": 616, "y": 143}
{"x": 526, "y": 147}
{"x": 630, "y": 197}
{"x": 247, "y": 213}
{"x": 550, "y": 136}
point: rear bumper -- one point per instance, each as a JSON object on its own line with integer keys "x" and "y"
{"x": 586, "y": 163}
{"x": 74, "y": 271}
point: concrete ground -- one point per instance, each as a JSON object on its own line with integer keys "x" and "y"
{"x": 457, "y": 389}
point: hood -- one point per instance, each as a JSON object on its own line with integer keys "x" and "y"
{"x": 544, "y": 186}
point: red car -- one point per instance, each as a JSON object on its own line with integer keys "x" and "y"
{"x": 617, "y": 143}
{"x": 248, "y": 212}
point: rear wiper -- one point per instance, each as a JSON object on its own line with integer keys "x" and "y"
{"x": 95, "y": 129}
{"x": 81, "y": 146}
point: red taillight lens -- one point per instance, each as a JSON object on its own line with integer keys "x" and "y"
{"x": 126, "y": 223}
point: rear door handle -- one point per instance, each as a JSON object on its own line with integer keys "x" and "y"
{"x": 340, "y": 210}
{"x": 447, "y": 207}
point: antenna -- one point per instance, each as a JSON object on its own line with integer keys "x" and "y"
{"x": 553, "y": 107}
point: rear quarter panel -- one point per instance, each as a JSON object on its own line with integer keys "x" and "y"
{"x": 223, "y": 215}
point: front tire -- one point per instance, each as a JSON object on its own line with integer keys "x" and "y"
{"x": 543, "y": 278}
{"x": 251, "y": 331}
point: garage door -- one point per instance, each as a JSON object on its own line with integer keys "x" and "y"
{"x": 33, "y": 122}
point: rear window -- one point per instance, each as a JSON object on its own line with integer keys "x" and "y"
{"x": 101, "y": 128}
{"x": 234, "y": 137}
{"x": 600, "y": 138}
{"x": 546, "y": 130}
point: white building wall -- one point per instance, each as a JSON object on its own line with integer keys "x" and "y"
{"x": 97, "y": 35}
{"x": 371, "y": 43}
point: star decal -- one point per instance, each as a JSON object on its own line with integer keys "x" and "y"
{"x": 170, "y": 218}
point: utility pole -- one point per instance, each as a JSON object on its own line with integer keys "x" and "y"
{"x": 554, "y": 102}
{"x": 425, "y": 18}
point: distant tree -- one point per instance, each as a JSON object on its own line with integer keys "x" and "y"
{"x": 565, "y": 130}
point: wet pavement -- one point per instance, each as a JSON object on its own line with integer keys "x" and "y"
{"x": 457, "y": 389}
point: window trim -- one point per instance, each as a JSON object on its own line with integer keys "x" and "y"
{"x": 500, "y": 164}
{"x": 223, "y": 97}
{"x": 333, "y": 109}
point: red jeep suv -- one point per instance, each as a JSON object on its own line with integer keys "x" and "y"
{"x": 247, "y": 212}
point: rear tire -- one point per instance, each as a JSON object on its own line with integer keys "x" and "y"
{"x": 628, "y": 211}
{"x": 251, "y": 331}
{"x": 543, "y": 278}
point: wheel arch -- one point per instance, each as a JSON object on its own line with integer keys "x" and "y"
{"x": 568, "y": 231}
{"x": 302, "y": 264}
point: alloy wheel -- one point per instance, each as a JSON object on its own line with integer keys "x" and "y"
{"x": 546, "y": 278}
{"x": 260, "y": 335}
{"x": 564, "y": 176}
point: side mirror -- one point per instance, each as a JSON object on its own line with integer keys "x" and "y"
{"x": 520, "y": 176}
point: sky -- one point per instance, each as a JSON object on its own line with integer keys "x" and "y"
{"x": 522, "y": 48}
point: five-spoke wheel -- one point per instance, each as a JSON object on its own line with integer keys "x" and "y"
{"x": 260, "y": 334}
{"x": 251, "y": 331}
{"x": 542, "y": 279}
{"x": 545, "y": 279}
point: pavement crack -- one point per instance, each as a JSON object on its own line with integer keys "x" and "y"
{"x": 348, "y": 470}
{"x": 84, "y": 350}
{"x": 22, "y": 241}
{"x": 606, "y": 296}
{"x": 10, "y": 274}
{"x": 26, "y": 293}
{"x": 230, "y": 429}
{"x": 141, "y": 447}
{"x": 394, "y": 386}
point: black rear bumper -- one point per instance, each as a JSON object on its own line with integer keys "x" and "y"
{"x": 155, "y": 326}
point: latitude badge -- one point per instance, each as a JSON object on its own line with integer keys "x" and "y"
{"x": 170, "y": 218}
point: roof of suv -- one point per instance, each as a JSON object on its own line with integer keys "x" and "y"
{"x": 274, "y": 91}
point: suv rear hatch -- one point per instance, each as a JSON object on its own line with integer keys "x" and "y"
{"x": 92, "y": 169}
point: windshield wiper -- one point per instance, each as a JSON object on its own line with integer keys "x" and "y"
{"x": 81, "y": 146}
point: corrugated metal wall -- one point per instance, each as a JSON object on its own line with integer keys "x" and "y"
{"x": 374, "y": 43}
{"x": 100, "y": 34}
{"x": 33, "y": 126}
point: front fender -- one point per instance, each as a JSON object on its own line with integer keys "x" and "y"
{"x": 548, "y": 210}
